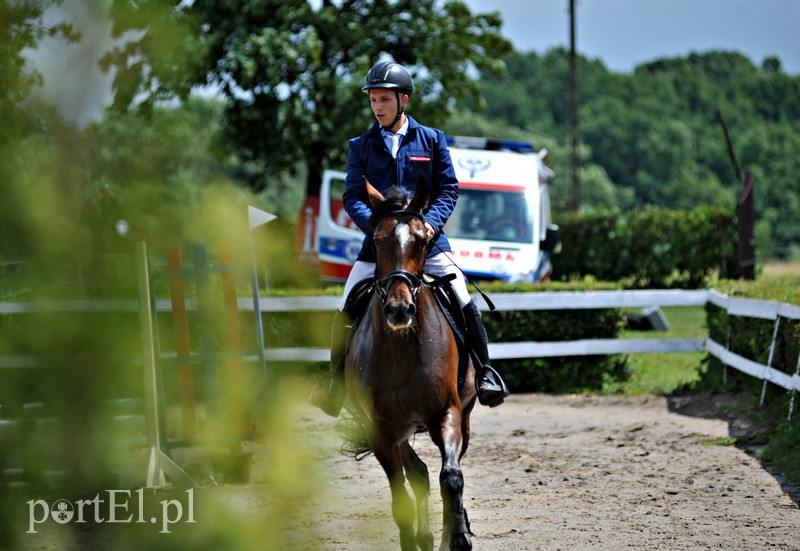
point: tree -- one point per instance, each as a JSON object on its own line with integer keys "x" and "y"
{"x": 653, "y": 133}
{"x": 291, "y": 70}
{"x": 22, "y": 27}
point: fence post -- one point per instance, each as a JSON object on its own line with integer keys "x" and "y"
{"x": 159, "y": 463}
{"x": 796, "y": 373}
{"x": 769, "y": 360}
{"x": 177, "y": 292}
{"x": 727, "y": 347}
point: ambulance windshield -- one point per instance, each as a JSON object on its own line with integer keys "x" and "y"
{"x": 491, "y": 215}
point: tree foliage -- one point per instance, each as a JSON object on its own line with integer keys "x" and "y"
{"x": 22, "y": 27}
{"x": 655, "y": 133}
{"x": 291, "y": 70}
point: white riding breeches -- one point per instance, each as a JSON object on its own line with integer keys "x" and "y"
{"x": 438, "y": 265}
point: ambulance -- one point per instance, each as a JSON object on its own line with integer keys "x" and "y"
{"x": 501, "y": 228}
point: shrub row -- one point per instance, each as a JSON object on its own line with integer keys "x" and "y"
{"x": 649, "y": 247}
{"x": 751, "y": 337}
{"x": 560, "y": 375}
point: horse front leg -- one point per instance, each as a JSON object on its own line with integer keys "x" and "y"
{"x": 417, "y": 475}
{"x": 402, "y": 505}
{"x": 455, "y": 530}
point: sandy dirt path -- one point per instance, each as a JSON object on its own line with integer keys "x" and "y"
{"x": 550, "y": 472}
{"x": 542, "y": 472}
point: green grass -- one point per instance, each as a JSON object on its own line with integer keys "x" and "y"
{"x": 664, "y": 373}
{"x": 783, "y": 451}
{"x": 717, "y": 441}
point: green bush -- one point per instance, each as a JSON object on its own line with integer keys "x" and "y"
{"x": 783, "y": 289}
{"x": 560, "y": 375}
{"x": 650, "y": 247}
{"x": 751, "y": 337}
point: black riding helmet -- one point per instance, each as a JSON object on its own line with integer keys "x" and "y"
{"x": 390, "y": 75}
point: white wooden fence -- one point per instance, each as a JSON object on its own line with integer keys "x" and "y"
{"x": 507, "y": 301}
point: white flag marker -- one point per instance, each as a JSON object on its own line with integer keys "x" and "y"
{"x": 258, "y": 217}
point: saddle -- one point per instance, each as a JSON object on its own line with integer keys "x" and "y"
{"x": 441, "y": 288}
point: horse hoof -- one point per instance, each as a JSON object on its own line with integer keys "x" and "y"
{"x": 460, "y": 542}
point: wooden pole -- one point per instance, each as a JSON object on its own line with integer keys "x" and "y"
{"x": 745, "y": 210}
{"x": 207, "y": 341}
{"x": 177, "y": 293}
{"x": 159, "y": 465}
{"x": 745, "y": 226}
{"x": 233, "y": 336}
{"x": 573, "y": 110}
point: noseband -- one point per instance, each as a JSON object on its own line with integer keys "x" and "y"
{"x": 413, "y": 280}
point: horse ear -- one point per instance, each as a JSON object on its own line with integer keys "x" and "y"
{"x": 420, "y": 199}
{"x": 375, "y": 196}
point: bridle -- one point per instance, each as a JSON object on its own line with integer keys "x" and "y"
{"x": 414, "y": 281}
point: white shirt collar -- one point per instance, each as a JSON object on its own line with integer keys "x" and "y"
{"x": 401, "y": 131}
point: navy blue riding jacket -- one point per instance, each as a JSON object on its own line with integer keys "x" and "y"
{"x": 422, "y": 151}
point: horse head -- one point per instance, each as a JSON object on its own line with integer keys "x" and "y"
{"x": 401, "y": 243}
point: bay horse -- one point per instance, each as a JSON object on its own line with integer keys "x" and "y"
{"x": 402, "y": 372}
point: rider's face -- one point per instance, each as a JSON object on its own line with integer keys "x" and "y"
{"x": 384, "y": 104}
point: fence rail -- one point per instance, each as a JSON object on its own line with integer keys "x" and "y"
{"x": 735, "y": 306}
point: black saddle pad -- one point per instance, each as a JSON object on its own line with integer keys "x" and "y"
{"x": 358, "y": 300}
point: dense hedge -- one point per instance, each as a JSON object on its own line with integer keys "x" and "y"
{"x": 560, "y": 375}
{"x": 650, "y": 247}
{"x": 751, "y": 337}
{"x": 570, "y": 374}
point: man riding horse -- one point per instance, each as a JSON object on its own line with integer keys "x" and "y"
{"x": 397, "y": 151}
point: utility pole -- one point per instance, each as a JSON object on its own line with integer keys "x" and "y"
{"x": 573, "y": 110}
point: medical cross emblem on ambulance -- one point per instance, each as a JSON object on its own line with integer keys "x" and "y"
{"x": 474, "y": 164}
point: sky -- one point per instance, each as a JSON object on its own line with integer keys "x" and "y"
{"x": 626, "y": 33}
{"x": 621, "y": 33}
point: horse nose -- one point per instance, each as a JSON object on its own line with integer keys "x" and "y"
{"x": 399, "y": 313}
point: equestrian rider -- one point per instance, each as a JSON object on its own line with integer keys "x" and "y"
{"x": 396, "y": 151}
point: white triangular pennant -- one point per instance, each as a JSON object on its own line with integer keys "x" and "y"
{"x": 257, "y": 217}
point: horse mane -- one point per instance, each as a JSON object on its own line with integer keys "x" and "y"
{"x": 394, "y": 199}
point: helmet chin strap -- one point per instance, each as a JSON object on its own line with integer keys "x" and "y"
{"x": 400, "y": 109}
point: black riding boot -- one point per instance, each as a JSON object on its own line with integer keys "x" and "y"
{"x": 330, "y": 399}
{"x": 490, "y": 386}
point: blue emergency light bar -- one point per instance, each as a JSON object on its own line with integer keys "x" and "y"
{"x": 489, "y": 144}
